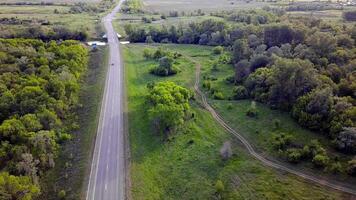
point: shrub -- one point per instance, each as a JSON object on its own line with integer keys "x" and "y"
{"x": 62, "y": 194}
{"x": 218, "y": 95}
{"x": 240, "y": 92}
{"x": 351, "y": 169}
{"x": 252, "y": 111}
{"x": 294, "y": 155}
{"x": 218, "y": 50}
{"x": 346, "y": 140}
{"x": 207, "y": 84}
{"x": 320, "y": 160}
{"x": 313, "y": 148}
{"x": 276, "y": 123}
{"x": 335, "y": 167}
{"x": 219, "y": 186}
{"x": 147, "y": 53}
{"x": 226, "y": 151}
{"x": 229, "y": 106}
{"x": 215, "y": 66}
{"x": 165, "y": 67}
{"x": 281, "y": 141}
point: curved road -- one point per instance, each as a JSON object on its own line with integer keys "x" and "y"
{"x": 251, "y": 150}
{"x": 107, "y": 175}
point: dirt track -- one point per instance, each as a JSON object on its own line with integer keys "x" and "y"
{"x": 332, "y": 184}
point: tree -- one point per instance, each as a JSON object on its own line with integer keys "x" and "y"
{"x": 169, "y": 106}
{"x": 276, "y": 35}
{"x": 258, "y": 61}
{"x": 242, "y": 70}
{"x": 12, "y": 130}
{"x": 165, "y": 67}
{"x": 346, "y": 140}
{"x": 17, "y": 187}
{"x": 322, "y": 43}
{"x": 290, "y": 80}
{"x": 31, "y": 122}
{"x": 239, "y": 50}
{"x": 313, "y": 110}
{"x": 259, "y": 83}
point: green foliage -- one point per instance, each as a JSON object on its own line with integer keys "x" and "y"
{"x": 62, "y": 194}
{"x": 169, "y": 106}
{"x": 240, "y": 92}
{"x": 39, "y": 86}
{"x": 294, "y": 155}
{"x": 252, "y": 111}
{"x": 165, "y": 67}
{"x": 281, "y": 140}
{"x": 17, "y": 187}
{"x": 219, "y": 185}
{"x": 218, "y": 50}
{"x": 351, "y": 169}
{"x": 320, "y": 160}
{"x": 218, "y": 95}
{"x": 276, "y": 123}
{"x": 346, "y": 140}
{"x": 132, "y": 6}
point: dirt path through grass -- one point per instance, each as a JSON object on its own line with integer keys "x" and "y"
{"x": 251, "y": 150}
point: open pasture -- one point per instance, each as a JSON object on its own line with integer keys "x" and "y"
{"x": 47, "y": 1}
{"x": 204, "y": 5}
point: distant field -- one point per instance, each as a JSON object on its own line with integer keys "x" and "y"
{"x": 38, "y": 13}
{"x": 205, "y": 5}
{"x": 49, "y": 1}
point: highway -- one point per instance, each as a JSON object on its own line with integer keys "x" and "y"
{"x": 107, "y": 175}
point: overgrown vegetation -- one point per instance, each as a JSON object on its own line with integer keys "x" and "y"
{"x": 196, "y": 161}
{"x": 39, "y": 90}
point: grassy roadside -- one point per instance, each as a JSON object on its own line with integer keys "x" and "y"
{"x": 188, "y": 166}
{"x": 75, "y": 154}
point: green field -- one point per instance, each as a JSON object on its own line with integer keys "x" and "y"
{"x": 45, "y": 16}
{"x": 204, "y": 5}
{"x": 188, "y": 165}
{"x": 49, "y": 1}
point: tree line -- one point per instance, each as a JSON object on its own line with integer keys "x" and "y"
{"x": 39, "y": 86}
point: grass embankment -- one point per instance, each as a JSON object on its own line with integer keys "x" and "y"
{"x": 188, "y": 165}
{"x": 73, "y": 165}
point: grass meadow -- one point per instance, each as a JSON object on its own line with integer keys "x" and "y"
{"x": 188, "y": 165}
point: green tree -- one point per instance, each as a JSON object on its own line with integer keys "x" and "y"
{"x": 290, "y": 80}
{"x": 17, "y": 187}
{"x": 169, "y": 106}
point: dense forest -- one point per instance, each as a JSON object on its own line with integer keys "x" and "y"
{"x": 302, "y": 65}
{"x": 39, "y": 85}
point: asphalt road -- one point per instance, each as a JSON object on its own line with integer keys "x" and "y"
{"x": 107, "y": 175}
